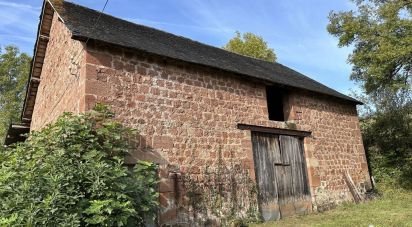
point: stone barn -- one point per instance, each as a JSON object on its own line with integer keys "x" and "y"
{"x": 234, "y": 137}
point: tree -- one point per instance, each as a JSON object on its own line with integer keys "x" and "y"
{"x": 71, "y": 173}
{"x": 14, "y": 70}
{"x": 381, "y": 33}
{"x": 387, "y": 137}
{"x": 251, "y": 45}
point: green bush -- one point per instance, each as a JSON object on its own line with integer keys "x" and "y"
{"x": 71, "y": 173}
{"x": 387, "y": 138}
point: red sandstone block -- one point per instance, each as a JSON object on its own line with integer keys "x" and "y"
{"x": 114, "y": 80}
{"x": 141, "y": 70}
{"x": 131, "y": 104}
{"x": 140, "y": 98}
{"x": 166, "y": 185}
{"x": 98, "y": 58}
{"x": 364, "y": 166}
{"x": 144, "y": 89}
{"x": 91, "y": 72}
{"x": 246, "y": 143}
{"x": 164, "y": 75}
{"x": 169, "y": 85}
{"x": 162, "y": 142}
{"x": 170, "y": 216}
{"x": 97, "y": 88}
{"x": 118, "y": 65}
{"x": 194, "y": 170}
{"x": 248, "y": 164}
{"x": 129, "y": 68}
{"x": 163, "y": 172}
{"x": 160, "y": 83}
{"x": 153, "y": 73}
{"x": 172, "y": 94}
{"x": 102, "y": 76}
{"x": 90, "y": 101}
{"x": 315, "y": 180}
{"x": 154, "y": 91}
{"x": 167, "y": 200}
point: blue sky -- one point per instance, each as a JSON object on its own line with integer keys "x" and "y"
{"x": 295, "y": 29}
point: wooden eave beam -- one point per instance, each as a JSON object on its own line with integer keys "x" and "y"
{"x": 279, "y": 131}
{"x": 38, "y": 60}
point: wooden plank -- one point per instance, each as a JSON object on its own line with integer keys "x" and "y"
{"x": 292, "y": 153}
{"x": 352, "y": 188}
{"x": 42, "y": 44}
{"x": 281, "y": 175}
{"x": 37, "y": 70}
{"x": 279, "y": 131}
{"x": 295, "y": 194}
{"x": 41, "y": 48}
{"x": 48, "y": 16}
{"x": 35, "y": 80}
{"x": 40, "y": 54}
{"x": 266, "y": 152}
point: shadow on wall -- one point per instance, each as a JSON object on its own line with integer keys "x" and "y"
{"x": 141, "y": 151}
{"x": 207, "y": 195}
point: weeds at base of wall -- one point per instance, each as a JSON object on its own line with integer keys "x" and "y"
{"x": 327, "y": 200}
{"x": 223, "y": 195}
{"x": 324, "y": 201}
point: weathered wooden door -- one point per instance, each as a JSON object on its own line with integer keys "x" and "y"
{"x": 281, "y": 175}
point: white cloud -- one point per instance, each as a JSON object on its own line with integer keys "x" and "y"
{"x": 18, "y": 24}
{"x": 181, "y": 25}
{"x": 27, "y": 39}
{"x": 19, "y": 6}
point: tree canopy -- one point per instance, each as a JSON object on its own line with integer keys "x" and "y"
{"x": 251, "y": 45}
{"x": 14, "y": 70}
{"x": 380, "y": 32}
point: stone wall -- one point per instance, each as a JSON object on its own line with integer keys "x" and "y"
{"x": 335, "y": 147}
{"x": 62, "y": 79}
{"x": 187, "y": 117}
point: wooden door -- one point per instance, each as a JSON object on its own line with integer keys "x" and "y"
{"x": 281, "y": 175}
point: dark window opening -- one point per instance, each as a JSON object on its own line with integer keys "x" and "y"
{"x": 275, "y": 97}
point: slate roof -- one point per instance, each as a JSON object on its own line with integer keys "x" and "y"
{"x": 81, "y": 22}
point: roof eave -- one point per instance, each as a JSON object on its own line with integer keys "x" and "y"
{"x": 16, "y": 133}
{"x": 36, "y": 67}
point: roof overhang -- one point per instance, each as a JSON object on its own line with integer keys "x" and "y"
{"x": 16, "y": 133}
{"x": 279, "y": 131}
{"x": 40, "y": 47}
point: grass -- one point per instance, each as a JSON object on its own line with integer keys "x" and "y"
{"x": 394, "y": 208}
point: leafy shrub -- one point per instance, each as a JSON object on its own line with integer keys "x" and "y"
{"x": 387, "y": 138}
{"x": 71, "y": 173}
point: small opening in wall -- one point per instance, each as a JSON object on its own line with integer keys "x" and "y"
{"x": 275, "y": 98}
